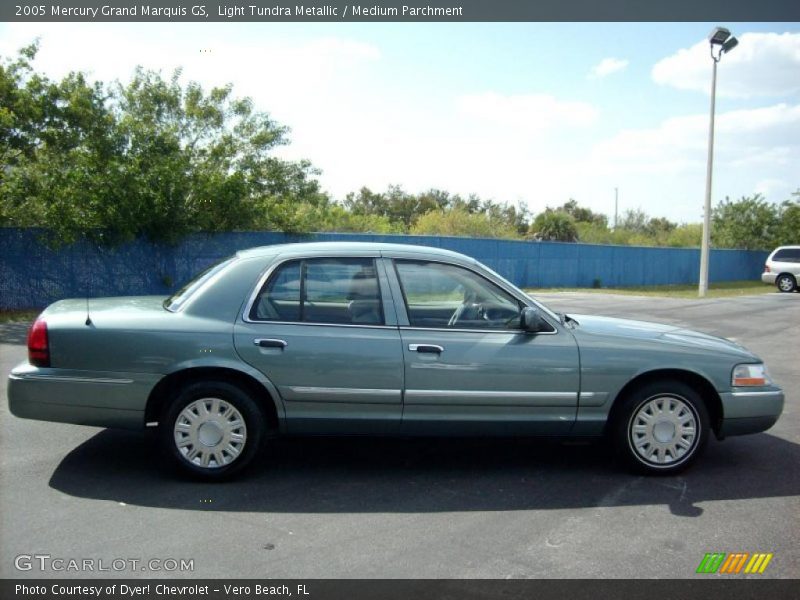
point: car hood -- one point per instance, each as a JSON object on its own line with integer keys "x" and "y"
{"x": 670, "y": 334}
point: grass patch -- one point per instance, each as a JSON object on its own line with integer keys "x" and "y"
{"x": 18, "y": 316}
{"x": 716, "y": 290}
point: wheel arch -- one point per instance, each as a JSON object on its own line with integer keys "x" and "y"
{"x": 696, "y": 381}
{"x": 169, "y": 384}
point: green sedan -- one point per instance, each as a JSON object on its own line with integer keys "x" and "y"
{"x": 379, "y": 339}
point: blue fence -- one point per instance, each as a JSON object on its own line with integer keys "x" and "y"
{"x": 33, "y": 275}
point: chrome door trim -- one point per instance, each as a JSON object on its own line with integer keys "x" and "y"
{"x": 492, "y": 393}
{"x": 306, "y": 323}
{"x": 69, "y": 379}
{"x": 592, "y": 398}
{"x": 488, "y": 398}
{"x": 456, "y": 329}
{"x": 338, "y": 394}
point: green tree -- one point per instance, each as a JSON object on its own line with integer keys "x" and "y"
{"x": 788, "y": 229}
{"x": 750, "y": 223}
{"x": 554, "y": 225}
{"x": 460, "y": 222}
{"x": 396, "y": 204}
{"x": 688, "y": 235}
{"x": 634, "y": 220}
{"x": 151, "y": 157}
{"x": 582, "y": 214}
{"x": 333, "y": 217}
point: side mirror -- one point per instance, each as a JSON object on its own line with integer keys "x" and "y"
{"x": 531, "y": 320}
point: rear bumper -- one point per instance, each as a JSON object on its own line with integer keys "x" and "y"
{"x": 79, "y": 397}
{"x": 750, "y": 411}
{"x": 769, "y": 278}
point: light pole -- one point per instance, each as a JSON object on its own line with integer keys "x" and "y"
{"x": 721, "y": 39}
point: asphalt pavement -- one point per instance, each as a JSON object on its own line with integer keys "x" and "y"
{"x": 353, "y": 508}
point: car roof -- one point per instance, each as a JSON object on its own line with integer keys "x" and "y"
{"x": 345, "y": 247}
{"x": 785, "y": 247}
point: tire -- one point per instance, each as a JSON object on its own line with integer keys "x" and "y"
{"x": 661, "y": 428}
{"x": 212, "y": 430}
{"x": 785, "y": 282}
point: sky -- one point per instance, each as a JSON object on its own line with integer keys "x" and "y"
{"x": 536, "y": 113}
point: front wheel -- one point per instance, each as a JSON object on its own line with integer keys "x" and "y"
{"x": 786, "y": 283}
{"x": 662, "y": 427}
{"x": 212, "y": 430}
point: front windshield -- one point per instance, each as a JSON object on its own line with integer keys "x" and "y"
{"x": 180, "y": 297}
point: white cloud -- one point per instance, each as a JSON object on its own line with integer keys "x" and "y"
{"x": 773, "y": 188}
{"x": 269, "y": 68}
{"x": 763, "y": 64}
{"x": 529, "y": 112}
{"x": 663, "y": 168}
{"x": 606, "y": 67}
{"x": 741, "y": 136}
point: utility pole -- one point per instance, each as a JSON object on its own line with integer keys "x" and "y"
{"x": 616, "y": 206}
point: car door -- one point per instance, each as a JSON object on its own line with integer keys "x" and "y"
{"x": 469, "y": 368}
{"x": 324, "y": 334}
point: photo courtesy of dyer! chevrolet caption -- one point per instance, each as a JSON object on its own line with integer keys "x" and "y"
{"x": 379, "y": 339}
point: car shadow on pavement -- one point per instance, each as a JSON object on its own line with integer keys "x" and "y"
{"x": 352, "y": 475}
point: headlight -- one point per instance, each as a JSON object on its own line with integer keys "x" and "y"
{"x": 749, "y": 375}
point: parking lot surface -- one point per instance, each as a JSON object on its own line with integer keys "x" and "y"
{"x": 320, "y": 508}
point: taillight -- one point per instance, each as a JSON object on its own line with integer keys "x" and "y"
{"x": 38, "y": 345}
{"x": 766, "y": 268}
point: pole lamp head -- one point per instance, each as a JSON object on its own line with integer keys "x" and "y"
{"x": 730, "y": 44}
{"x": 718, "y": 36}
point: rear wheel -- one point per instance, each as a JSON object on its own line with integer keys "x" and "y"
{"x": 786, "y": 283}
{"x": 212, "y": 430}
{"x": 662, "y": 427}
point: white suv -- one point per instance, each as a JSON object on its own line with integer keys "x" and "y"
{"x": 783, "y": 268}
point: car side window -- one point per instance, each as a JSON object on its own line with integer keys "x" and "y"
{"x": 440, "y": 295}
{"x": 322, "y": 290}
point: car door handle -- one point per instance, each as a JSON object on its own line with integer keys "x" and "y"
{"x": 267, "y": 343}
{"x": 426, "y": 348}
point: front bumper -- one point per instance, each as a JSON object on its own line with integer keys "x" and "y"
{"x": 750, "y": 411}
{"x": 769, "y": 278}
{"x": 79, "y": 397}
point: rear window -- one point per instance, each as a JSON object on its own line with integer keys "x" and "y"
{"x": 180, "y": 297}
{"x": 787, "y": 255}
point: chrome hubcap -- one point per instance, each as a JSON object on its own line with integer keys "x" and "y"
{"x": 210, "y": 433}
{"x": 785, "y": 284}
{"x": 663, "y": 430}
